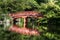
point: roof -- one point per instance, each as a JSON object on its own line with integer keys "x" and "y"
{"x": 25, "y": 13}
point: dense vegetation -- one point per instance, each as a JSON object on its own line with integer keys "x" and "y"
{"x": 48, "y": 26}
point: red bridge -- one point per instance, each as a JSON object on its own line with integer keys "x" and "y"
{"x": 25, "y": 30}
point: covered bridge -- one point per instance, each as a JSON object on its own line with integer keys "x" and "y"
{"x": 25, "y": 15}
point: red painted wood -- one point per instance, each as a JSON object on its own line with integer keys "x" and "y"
{"x": 25, "y": 31}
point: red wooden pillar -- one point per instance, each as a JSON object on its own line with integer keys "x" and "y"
{"x": 25, "y": 22}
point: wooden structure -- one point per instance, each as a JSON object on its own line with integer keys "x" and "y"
{"x": 25, "y": 15}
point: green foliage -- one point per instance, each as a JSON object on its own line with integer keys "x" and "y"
{"x": 20, "y": 22}
{"x": 49, "y": 26}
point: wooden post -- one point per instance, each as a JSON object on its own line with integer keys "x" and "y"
{"x": 25, "y": 22}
